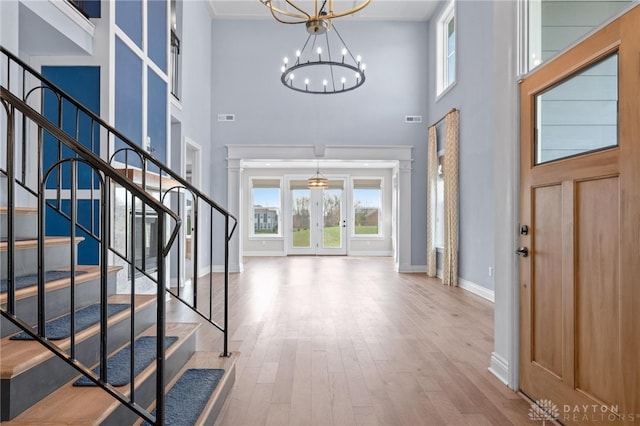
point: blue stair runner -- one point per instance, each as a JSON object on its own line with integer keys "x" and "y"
{"x": 32, "y": 279}
{"x": 60, "y": 328}
{"x": 188, "y": 397}
{"x": 119, "y": 364}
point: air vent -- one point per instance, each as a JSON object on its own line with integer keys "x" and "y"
{"x": 226, "y": 117}
{"x": 413, "y": 119}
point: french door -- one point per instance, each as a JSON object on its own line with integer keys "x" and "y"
{"x": 316, "y": 222}
{"x": 580, "y": 230}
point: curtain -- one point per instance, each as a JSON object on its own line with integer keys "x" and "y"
{"x": 450, "y": 259}
{"x": 432, "y": 170}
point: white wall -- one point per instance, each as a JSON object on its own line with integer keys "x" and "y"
{"x": 246, "y": 59}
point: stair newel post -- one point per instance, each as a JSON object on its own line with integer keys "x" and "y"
{"x": 11, "y": 241}
{"x": 162, "y": 284}
{"x": 72, "y": 251}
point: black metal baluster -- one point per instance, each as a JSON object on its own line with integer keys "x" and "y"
{"x": 194, "y": 251}
{"x": 72, "y": 253}
{"x": 132, "y": 299}
{"x": 225, "y": 332}
{"x": 11, "y": 202}
{"x": 104, "y": 284}
{"x": 211, "y": 264}
{"x": 160, "y": 326}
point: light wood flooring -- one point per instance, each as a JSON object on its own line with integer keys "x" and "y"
{"x": 348, "y": 341}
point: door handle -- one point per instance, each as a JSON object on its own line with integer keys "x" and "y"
{"x": 522, "y": 251}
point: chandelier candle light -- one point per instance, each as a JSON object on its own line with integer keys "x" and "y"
{"x": 322, "y": 71}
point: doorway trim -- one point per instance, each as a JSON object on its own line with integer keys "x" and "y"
{"x": 196, "y": 179}
{"x": 401, "y": 154}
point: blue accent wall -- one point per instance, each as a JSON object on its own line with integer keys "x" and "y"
{"x": 83, "y": 84}
{"x": 57, "y": 225}
{"x": 157, "y": 115}
{"x": 157, "y": 32}
{"x": 129, "y": 19}
{"x": 128, "y": 96}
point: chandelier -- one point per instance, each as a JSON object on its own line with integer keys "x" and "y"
{"x": 324, "y": 64}
{"x": 318, "y": 181}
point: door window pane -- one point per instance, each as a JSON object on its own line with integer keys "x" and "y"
{"x": 300, "y": 211}
{"x": 332, "y": 218}
{"x": 580, "y": 114}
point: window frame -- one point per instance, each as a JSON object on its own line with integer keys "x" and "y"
{"x": 442, "y": 58}
{"x": 252, "y": 216}
{"x": 352, "y": 213}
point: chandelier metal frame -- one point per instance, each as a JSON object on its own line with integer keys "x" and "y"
{"x": 319, "y": 14}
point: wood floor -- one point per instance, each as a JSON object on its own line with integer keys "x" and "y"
{"x": 348, "y": 341}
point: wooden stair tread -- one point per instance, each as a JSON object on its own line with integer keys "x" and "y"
{"x": 20, "y": 210}
{"x": 21, "y": 355}
{"x": 71, "y": 405}
{"x": 92, "y": 272}
{"x": 152, "y": 179}
{"x": 48, "y": 242}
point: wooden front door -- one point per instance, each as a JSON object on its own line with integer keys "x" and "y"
{"x": 580, "y": 230}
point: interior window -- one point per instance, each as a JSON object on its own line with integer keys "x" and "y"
{"x": 446, "y": 48}
{"x": 266, "y": 207}
{"x": 367, "y": 207}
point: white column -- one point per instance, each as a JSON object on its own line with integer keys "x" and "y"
{"x": 234, "y": 203}
{"x": 403, "y": 216}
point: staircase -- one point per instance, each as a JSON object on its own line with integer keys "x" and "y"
{"x": 90, "y": 264}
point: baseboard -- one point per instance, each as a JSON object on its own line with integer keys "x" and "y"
{"x": 263, "y": 253}
{"x": 410, "y": 269}
{"x": 478, "y": 290}
{"x": 499, "y": 367}
{"x": 204, "y": 271}
{"x": 370, "y": 253}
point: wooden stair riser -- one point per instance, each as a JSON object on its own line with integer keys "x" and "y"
{"x": 56, "y": 257}
{"x": 26, "y": 389}
{"x": 25, "y": 226}
{"x": 145, "y": 393}
{"x": 57, "y": 302}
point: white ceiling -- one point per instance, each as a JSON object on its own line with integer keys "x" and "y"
{"x": 377, "y": 10}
